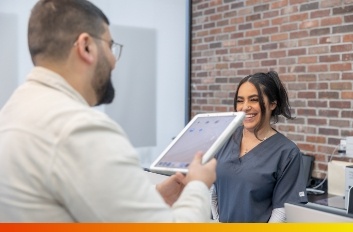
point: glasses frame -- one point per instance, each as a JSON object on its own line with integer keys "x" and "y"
{"x": 113, "y": 46}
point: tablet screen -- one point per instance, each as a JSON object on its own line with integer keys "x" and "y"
{"x": 200, "y": 135}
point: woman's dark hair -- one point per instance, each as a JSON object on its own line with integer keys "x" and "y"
{"x": 270, "y": 85}
{"x": 54, "y": 25}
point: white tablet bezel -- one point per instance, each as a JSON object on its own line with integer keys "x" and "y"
{"x": 224, "y": 136}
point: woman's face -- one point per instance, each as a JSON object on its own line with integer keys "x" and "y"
{"x": 248, "y": 101}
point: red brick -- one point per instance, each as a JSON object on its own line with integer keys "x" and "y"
{"x": 331, "y": 21}
{"x": 316, "y": 139}
{"x": 286, "y": 60}
{"x": 330, "y": 39}
{"x": 330, "y": 3}
{"x": 251, "y": 2}
{"x": 249, "y": 64}
{"x": 328, "y": 113}
{"x": 318, "y": 68}
{"x": 237, "y": 35}
{"x": 297, "y": 69}
{"x": 320, "y": 31}
{"x": 328, "y": 95}
{"x": 311, "y": 78}
{"x": 318, "y": 50}
{"x": 307, "y": 95}
{"x": 307, "y": 42}
{"x": 244, "y": 42}
{"x": 307, "y": 112}
{"x": 229, "y": 29}
{"x": 271, "y": 14}
{"x": 288, "y": 10}
{"x": 307, "y": 59}
{"x": 237, "y": 20}
{"x": 245, "y": 26}
{"x": 316, "y": 104}
{"x": 347, "y": 57}
{"x": 252, "y": 48}
{"x": 347, "y": 76}
{"x": 289, "y": 27}
{"x": 341, "y": 85}
{"x": 306, "y": 147}
{"x": 299, "y": 34}
{"x": 341, "y": 48}
{"x": 348, "y": 38}
{"x": 262, "y": 55}
{"x": 320, "y": 13}
{"x": 279, "y": 4}
{"x": 215, "y": 31}
{"x": 222, "y": 23}
{"x": 319, "y": 157}
{"x": 317, "y": 85}
{"x": 222, "y": 8}
{"x": 262, "y": 23}
{"x": 328, "y": 131}
{"x": 269, "y": 63}
{"x": 280, "y": 20}
{"x": 299, "y": 17}
{"x": 341, "y": 67}
{"x": 309, "y": 24}
{"x": 230, "y": 14}
{"x": 245, "y": 11}
{"x": 237, "y": 50}
{"x": 317, "y": 121}
{"x": 215, "y": 17}
{"x": 278, "y": 37}
{"x": 347, "y": 94}
{"x": 339, "y": 123}
{"x": 262, "y": 8}
{"x": 328, "y": 76}
{"x": 270, "y": 30}
{"x": 329, "y": 58}
{"x": 252, "y": 33}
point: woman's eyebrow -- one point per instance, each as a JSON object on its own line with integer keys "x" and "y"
{"x": 254, "y": 95}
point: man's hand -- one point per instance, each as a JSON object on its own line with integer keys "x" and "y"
{"x": 171, "y": 188}
{"x": 202, "y": 172}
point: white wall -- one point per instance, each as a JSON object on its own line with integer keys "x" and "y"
{"x": 168, "y": 18}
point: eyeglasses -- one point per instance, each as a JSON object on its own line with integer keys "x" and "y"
{"x": 115, "y": 47}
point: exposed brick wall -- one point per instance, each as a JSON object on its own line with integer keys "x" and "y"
{"x": 309, "y": 43}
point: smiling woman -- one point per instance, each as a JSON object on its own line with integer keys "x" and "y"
{"x": 260, "y": 166}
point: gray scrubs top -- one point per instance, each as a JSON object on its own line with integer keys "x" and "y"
{"x": 250, "y": 187}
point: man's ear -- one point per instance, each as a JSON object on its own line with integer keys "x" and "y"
{"x": 85, "y": 47}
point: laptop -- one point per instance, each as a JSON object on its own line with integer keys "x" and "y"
{"x": 312, "y": 212}
{"x": 206, "y": 133}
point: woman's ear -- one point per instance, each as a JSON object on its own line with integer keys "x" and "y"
{"x": 85, "y": 47}
{"x": 273, "y": 105}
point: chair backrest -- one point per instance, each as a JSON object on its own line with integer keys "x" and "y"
{"x": 350, "y": 201}
{"x": 308, "y": 161}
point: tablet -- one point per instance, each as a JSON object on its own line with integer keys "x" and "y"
{"x": 206, "y": 133}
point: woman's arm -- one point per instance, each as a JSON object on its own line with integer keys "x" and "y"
{"x": 278, "y": 215}
{"x": 214, "y": 203}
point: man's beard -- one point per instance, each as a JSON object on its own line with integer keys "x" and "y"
{"x": 102, "y": 83}
{"x": 107, "y": 93}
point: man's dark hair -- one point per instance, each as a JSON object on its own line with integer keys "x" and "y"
{"x": 54, "y": 26}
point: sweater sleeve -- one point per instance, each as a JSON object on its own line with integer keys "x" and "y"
{"x": 278, "y": 215}
{"x": 214, "y": 203}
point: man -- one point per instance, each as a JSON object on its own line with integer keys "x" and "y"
{"x": 61, "y": 160}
